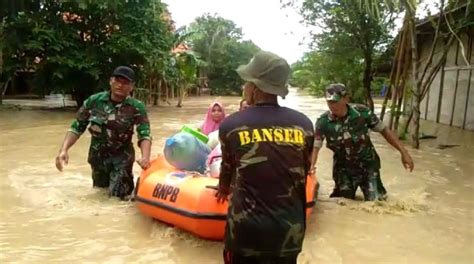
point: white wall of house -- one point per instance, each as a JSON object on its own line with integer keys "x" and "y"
{"x": 451, "y": 96}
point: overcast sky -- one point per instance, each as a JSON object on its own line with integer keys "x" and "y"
{"x": 262, "y": 21}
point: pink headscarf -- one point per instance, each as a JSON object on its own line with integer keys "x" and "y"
{"x": 210, "y": 125}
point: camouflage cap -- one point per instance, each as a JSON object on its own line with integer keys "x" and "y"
{"x": 335, "y": 92}
{"x": 268, "y": 71}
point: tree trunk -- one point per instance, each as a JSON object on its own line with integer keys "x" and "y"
{"x": 419, "y": 85}
{"x": 150, "y": 89}
{"x": 158, "y": 91}
{"x": 415, "y": 80}
{"x": 180, "y": 95}
{"x": 154, "y": 90}
{"x": 1, "y": 94}
{"x": 167, "y": 91}
{"x": 426, "y": 87}
{"x": 2, "y": 75}
{"x": 164, "y": 88}
{"x": 172, "y": 92}
{"x": 1, "y": 67}
{"x": 4, "y": 90}
{"x": 367, "y": 81}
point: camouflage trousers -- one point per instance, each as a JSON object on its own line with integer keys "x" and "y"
{"x": 114, "y": 172}
{"x": 347, "y": 179}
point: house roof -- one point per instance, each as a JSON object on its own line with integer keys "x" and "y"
{"x": 427, "y": 25}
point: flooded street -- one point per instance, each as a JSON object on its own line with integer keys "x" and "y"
{"x": 48, "y": 216}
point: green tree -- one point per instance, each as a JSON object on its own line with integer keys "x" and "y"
{"x": 73, "y": 45}
{"x": 317, "y": 69}
{"x": 219, "y": 42}
{"x": 350, "y": 41}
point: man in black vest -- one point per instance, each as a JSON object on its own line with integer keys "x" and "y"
{"x": 266, "y": 155}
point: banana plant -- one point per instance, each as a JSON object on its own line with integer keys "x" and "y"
{"x": 186, "y": 63}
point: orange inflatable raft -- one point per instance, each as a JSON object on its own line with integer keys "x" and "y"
{"x": 187, "y": 201}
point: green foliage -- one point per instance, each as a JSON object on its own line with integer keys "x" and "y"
{"x": 378, "y": 84}
{"x": 219, "y": 42}
{"x": 346, "y": 49}
{"x": 187, "y": 63}
{"x": 74, "y": 45}
{"x": 318, "y": 69}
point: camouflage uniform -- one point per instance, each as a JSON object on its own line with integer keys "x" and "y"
{"x": 356, "y": 163}
{"x": 265, "y": 154}
{"x": 111, "y": 153}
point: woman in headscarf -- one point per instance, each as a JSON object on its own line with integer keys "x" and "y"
{"x": 214, "y": 117}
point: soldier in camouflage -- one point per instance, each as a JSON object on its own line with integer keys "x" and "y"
{"x": 111, "y": 116}
{"x": 346, "y": 130}
{"x": 266, "y": 153}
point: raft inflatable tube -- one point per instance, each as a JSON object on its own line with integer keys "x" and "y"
{"x": 187, "y": 201}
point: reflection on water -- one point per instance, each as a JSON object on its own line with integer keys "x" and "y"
{"x": 52, "y": 216}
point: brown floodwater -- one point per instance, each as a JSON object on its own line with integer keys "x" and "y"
{"x": 48, "y": 216}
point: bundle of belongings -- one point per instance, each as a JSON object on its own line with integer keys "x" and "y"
{"x": 191, "y": 150}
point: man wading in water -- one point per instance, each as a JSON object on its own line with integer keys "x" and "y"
{"x": 346, "y": 130}
{"x": 266, "y": 154}
{"x": 112, "y": 115}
